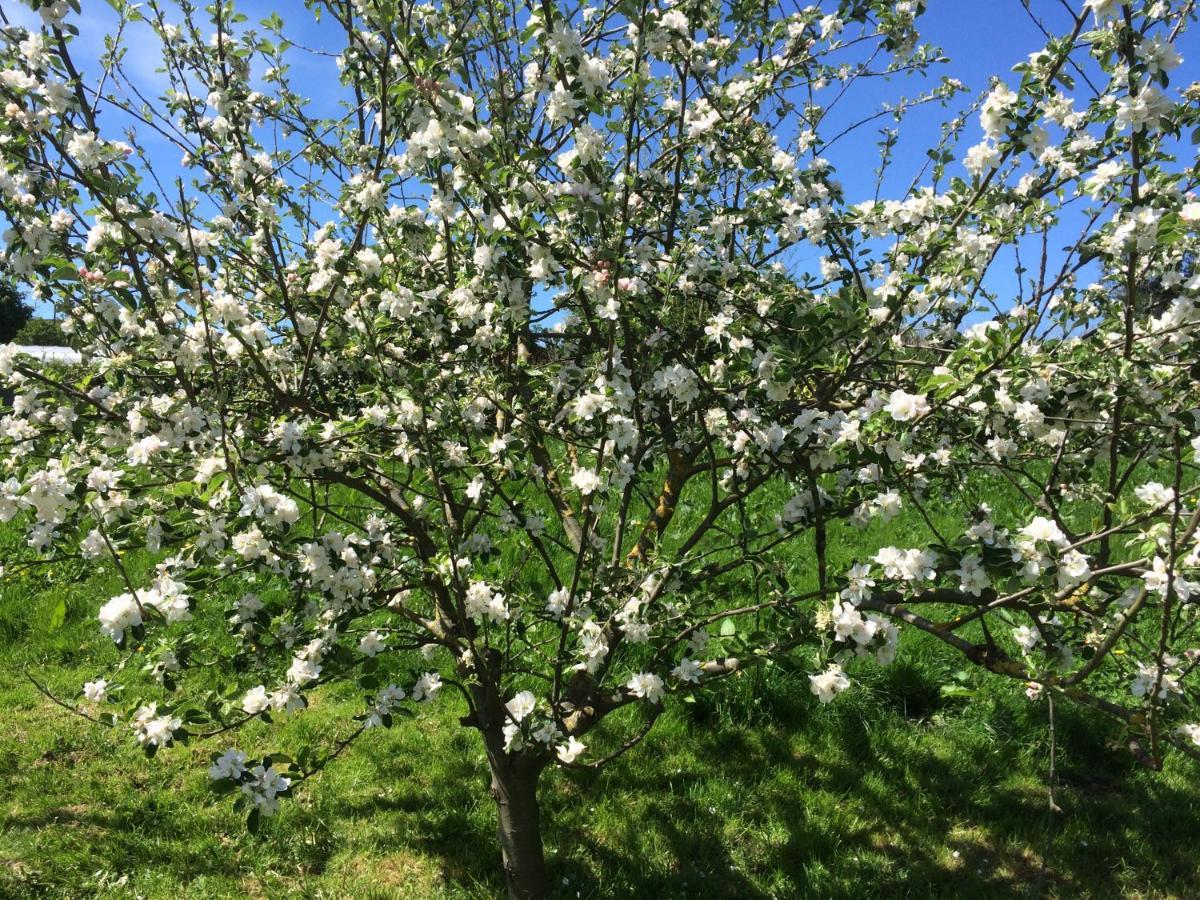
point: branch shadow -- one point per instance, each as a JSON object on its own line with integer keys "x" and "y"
{"x": 760, "y": 797}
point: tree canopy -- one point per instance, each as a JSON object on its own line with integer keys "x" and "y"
{"x": 548, "y": 369}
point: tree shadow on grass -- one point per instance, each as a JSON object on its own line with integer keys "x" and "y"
{"x": 73, "y": 842}
{"x": 848, "y": 808}
{"x": 862, "y": 810}
{"x": 446, "y": 815}
{"x": 784, "y": 800}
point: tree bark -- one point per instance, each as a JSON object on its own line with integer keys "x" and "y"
{"x": 514, "y": 788}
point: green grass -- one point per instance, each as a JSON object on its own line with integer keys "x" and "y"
{"x": 752, "y": 791}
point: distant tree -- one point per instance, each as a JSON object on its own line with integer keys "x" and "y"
{"x": 14, "y": 311}
{"x": 39, "y": 332}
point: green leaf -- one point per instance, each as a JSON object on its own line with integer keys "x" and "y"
{"x": 957, "y": 690}
{"x": 400, "y": 91}
{"x": 58, "y": 614}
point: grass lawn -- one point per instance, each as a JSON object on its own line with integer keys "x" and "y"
{"x": 897, "y": 789}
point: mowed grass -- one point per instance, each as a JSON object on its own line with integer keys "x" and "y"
{"x": 752, "y": 791}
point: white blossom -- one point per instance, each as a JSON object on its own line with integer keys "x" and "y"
{"x": 828, "y": 684}
{"x": 646, "y": 686}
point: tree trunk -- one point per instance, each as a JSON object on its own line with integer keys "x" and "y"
{"x": 514, "y": 787}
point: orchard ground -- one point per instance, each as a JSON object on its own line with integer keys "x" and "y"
{"x": 922, "y": 781}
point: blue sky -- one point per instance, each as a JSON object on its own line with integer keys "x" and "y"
{"x": 982, "y": 38}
